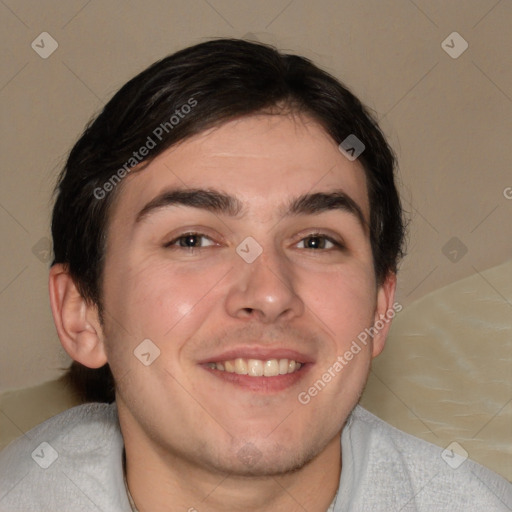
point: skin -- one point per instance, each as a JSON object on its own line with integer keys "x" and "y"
{"x": 185, "y": 428}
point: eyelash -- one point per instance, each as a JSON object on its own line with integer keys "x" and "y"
{"x": 171, "y": 244}
{"x": 335, "y": 243}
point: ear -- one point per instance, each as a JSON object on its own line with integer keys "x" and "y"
{"x": 384, "y": 312}
{"x": 77, "y": 321}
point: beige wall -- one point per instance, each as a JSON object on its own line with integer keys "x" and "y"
{"x": 449, "y": 120}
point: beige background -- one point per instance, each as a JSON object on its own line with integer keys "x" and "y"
{"x": 448, "y": 119}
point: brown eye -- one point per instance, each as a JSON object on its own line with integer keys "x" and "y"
{"x": 318, "y": 242}
{"x": 190, "y": 241}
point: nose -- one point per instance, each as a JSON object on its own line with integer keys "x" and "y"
{"x": 263, "y": 290}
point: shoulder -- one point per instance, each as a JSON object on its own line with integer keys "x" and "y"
{"x": 424, "y": 476}
{"x": 74, "y": 457}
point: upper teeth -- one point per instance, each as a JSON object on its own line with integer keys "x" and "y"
{"x": 257, "y": 367}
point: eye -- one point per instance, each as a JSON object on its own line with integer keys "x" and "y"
{"x": 318, "y": 241}
{"x": 190, "y": 241}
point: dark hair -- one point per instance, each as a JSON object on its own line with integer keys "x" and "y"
{"x": 216, "y": 81}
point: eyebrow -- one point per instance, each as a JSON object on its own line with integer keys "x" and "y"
{"x": 206, "y": 199}
{"x": 318, "y": 202}
{"x": 219, "y": 202}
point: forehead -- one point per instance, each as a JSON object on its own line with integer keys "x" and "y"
{"x": 260, "y": 159}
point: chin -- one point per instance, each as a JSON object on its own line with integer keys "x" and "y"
{"x": 274, "y": 459}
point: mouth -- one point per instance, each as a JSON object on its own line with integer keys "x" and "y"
{"x": 257, "y": 367}
{"x": 261, "y": 371}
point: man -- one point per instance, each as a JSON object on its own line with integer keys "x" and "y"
{"x": 224, "y": 232}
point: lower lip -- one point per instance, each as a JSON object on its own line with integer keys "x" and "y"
{"x": 261, "y": 384}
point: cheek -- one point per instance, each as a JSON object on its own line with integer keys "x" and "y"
{"x": 158, "y": 304}
{"x": 159, "y": 299}
{"x": 344, "y": 300}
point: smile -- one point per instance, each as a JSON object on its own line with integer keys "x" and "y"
{"x": 257, "y": 367}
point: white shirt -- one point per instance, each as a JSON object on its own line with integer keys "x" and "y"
{"x": 73, "y": 462}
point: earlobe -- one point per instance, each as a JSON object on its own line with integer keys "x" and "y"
{"x": 76, "y": 320}
{"x": 384, "y": 313}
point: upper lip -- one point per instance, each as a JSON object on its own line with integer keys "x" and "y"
{"x": 262, "y": 353}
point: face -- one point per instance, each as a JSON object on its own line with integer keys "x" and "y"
{"x": 243, "y": 255}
